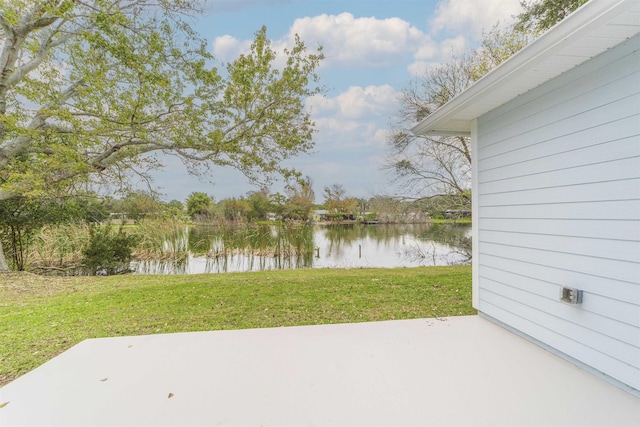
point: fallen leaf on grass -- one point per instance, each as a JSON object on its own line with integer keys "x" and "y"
{"x": 170, "y": 396}
{"x": 2, "y": 405}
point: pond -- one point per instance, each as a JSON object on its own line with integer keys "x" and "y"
{"x": 265, "y": 247}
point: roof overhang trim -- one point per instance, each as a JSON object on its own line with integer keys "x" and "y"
{"x": 455, "y": 117}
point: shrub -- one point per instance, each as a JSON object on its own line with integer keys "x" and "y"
{"x": 108, "y": 252}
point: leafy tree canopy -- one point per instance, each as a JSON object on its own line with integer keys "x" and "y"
{"x": 198, "y": 204}
{"x": 540, "y": 15}
{"x": 97, "y": 89}
{"x": 22, "y": 217}
{"x": 300, "y": 200}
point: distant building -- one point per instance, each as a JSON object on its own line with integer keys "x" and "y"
{"x": 320, "y": 215}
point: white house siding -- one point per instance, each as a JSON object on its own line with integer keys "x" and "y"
{"x": 559, "y": 205}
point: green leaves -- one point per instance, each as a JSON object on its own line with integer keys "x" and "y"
{"x": 540, "y": 15}
{"x": 264, "y": 106}
{"x": 198, "y": 204}
{"x": 111, "y": 81}
{"x": 107, "y": 250}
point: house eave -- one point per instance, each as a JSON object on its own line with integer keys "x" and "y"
{"x": 591, "y": 30}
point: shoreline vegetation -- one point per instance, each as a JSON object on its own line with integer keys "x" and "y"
{"x": 129, "y": 223}
{"x": 91, "y": 234}
{"x": 61, "y": 249}
{"x": 41, "y": 317}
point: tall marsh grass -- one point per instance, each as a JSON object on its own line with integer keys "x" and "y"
{"x": 58, "y": 247}
{"x": 165, "y": 244}
{"x": 261, "y": 240}
{"x": 161, "y": 239}
{"x": 257, "y": 247}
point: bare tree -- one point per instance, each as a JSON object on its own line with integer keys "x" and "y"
{"x": 440, "y": 167}
{"x": 334, "y": 197}
{"x": 430, "y": 166}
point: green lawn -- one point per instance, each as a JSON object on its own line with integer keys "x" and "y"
{"x": 41, "y": 317}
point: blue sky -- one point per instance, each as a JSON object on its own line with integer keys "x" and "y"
{"x": 373, "y": 49}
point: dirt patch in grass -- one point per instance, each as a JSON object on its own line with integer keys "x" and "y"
{"x": 18, "y": 285}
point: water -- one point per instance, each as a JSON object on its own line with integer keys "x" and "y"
{"x": 260, "y": 248}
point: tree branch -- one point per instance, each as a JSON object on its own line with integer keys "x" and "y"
{"x": 11, "y": 148}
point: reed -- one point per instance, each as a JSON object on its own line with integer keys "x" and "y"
{"x": 161, "y": 239}
{"x": 261, "y": 240}
{"x": 58, "y": 247}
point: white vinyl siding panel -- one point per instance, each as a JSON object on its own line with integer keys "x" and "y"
{"x": 558, "y": 183}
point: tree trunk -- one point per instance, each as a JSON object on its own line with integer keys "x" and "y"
{"x": 3, "y": 261}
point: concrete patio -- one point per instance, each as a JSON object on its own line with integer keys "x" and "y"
{"x": 450, "y": 371}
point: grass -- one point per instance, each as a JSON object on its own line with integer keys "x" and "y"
{"x": 450, "y": 221}
{"x": 41, "y": 317}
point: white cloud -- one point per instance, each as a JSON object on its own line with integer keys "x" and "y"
{"x": 336, "y": 126}
{"x": 464, "y": 22}
{"x": 421, "y": 68}
{"x": 427, "y": 51}
{"x": 351, "y": 126}
{"x": 368, "y": 42}
{"x": 365, "y": 42}
{"x": 226, "y": 48}
{"x": 381, "y": 136}
{"x": 357, "y": 103}
{"x": 471, "y": 17}
{"x": 454, "y": 46}
{"x": 418, "y": 68}
{"x": 347, "y": 41}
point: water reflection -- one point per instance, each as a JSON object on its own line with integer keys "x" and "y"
{"x": 264, "y": 247}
